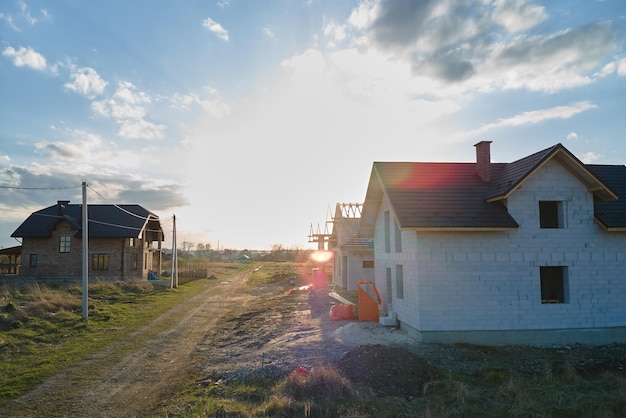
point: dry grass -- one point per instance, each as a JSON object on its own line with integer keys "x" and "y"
{"x": 314, "y": 393}
{"x": 322, "y": 384}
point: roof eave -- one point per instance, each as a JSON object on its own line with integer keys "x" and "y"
{"x": 610, "y": 228}
{"x": 462, "y": 228}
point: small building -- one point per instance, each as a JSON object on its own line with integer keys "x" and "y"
{"x": 530, "y": 252}
{"x": 122, "y": 241}
{"x": 10, "y": 260}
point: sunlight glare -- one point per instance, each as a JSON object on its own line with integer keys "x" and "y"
{"x": 321, "y": 256}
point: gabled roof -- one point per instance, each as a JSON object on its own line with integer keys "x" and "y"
{"x": 105, "y": 221}
{"x": 509, "y": 177}
{"x": 452, "y": 196}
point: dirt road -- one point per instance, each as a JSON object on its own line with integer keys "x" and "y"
{"x": 229, "y": 328}
{"x": 132, "y": 385}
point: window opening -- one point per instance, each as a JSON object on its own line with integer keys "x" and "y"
{"x": 551, "y": 214}
{"x": 65, "y": 242}
{"x": 399, "y": 281}
{"x": 397, "y": 237}
{"x": 387, "y": 232}
{"x": 100, "y": 262}
{"x": 553, "y": 283}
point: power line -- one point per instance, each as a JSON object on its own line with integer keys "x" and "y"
{"x": 120, "y": 208}
{"x": 40, "y": 188}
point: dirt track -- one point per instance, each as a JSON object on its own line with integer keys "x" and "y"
{"x": 226, "y": 329}
{"x": 107, "y": 384}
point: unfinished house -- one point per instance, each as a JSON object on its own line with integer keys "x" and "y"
{"x": 530, "y": 252}
{"x": 124, "y": 242}
{"x": 353, "y": 258}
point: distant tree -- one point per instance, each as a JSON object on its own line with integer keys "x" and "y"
{"x": 278, "y": 251}
{"x": 296, "y": 251}
{"x": 187, "y": 246}
{"x": 201, "y": 250}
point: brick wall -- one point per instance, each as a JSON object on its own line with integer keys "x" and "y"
{"x": 53, "y": 264}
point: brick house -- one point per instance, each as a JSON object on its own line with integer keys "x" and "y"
{"x": 121, "y": 242}
{"x": 530, "y": 252}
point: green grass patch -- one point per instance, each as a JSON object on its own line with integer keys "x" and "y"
{"x": 42, "y": 331}
{"x": 281, "y": 272}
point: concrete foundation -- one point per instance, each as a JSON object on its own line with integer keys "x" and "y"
{"x": 535, "y": 337}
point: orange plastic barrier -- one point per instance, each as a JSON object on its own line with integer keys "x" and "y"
{"x": 342, "y": 312}
{"x": 369, "y": 299}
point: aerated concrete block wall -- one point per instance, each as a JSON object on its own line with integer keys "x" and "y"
{"x": 490, "y": 281}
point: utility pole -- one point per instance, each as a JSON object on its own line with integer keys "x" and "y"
{"x": 85, "y": 261}
{"x": 174, "y": 276}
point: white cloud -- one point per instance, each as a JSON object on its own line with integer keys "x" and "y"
{"x": 127, "y": 110}
{"x": 216, "y": 28}
{"x": 614, "y": 67}
{"x": 25, "y": 57}
{"x": 572, "y": 136}
{"x": 518, "y": 15}
{"x": 86, "y": 81}
{"x": 126, "y": 92}
{"x": 25, "y": 14}
{"x": 78, "y": 151}
{"x": 334, "y": 32}
{"x": 140, "y": 128}
{"x": 213, "y": 105}
{"x": 267, "y": 32}
{"x": 536, "y": 116}
{"x": 590, "y": 157}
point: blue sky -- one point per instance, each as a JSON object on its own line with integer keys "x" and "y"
{"x": 249, "y": 119}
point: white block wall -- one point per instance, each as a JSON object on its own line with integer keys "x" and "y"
{"x": 355, "y": 270}
{"x": 490, "y": 280}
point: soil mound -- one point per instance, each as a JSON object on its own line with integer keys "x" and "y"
{"x": 387, "y": 370}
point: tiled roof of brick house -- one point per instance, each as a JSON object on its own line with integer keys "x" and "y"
{"x": 105, "y": 221}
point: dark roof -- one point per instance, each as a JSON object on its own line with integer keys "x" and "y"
{"x": 11, "y": 250}
{"x": 105, "y": 221}
{"x": 453, "y": 196}
{"x": 509, "y": 176}
{"x": 611, "y": 214}
{"x": 441, "y": 195}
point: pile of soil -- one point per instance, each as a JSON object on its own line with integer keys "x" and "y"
{"x": 387, "y": 370}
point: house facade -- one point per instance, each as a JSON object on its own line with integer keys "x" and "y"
{"x": 124, "y": 242}
{"x": 529, "y": 252}
{"x": 353, "y": 256}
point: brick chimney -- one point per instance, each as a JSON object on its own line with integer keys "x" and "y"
{"x": 61, "y": 205}
{"x": 483, "y": 160}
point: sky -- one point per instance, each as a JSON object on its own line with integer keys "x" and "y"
{"x": 250, "y": 120}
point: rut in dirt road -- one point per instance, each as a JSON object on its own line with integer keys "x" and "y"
{"x": 134, "y": 381}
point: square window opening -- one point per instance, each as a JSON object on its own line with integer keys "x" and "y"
{"x": 551, "y": 214}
